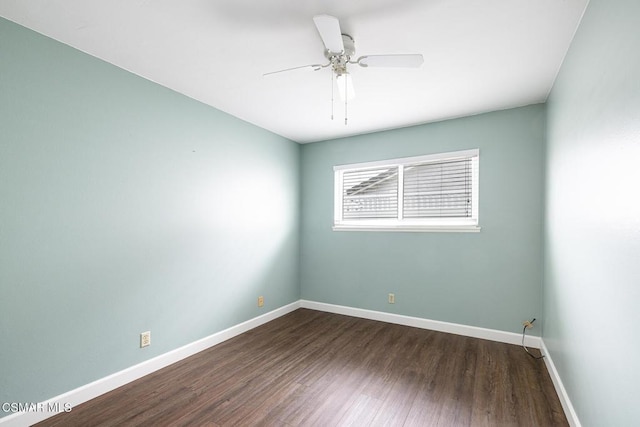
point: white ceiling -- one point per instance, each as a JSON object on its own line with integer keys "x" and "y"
{"x": 479, "y": 55}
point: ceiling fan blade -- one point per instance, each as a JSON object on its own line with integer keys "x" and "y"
{"x": 402, "y": 60}
{"x": 329, "y": 29}
{"x": 314, "y": 67}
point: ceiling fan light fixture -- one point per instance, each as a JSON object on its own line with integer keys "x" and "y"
{"x": 345, "y": 87}
{"x": 339, "y": 49}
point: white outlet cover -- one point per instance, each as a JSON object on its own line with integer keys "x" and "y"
{"x": 145, "y": 339}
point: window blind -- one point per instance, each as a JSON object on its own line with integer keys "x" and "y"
{"x": 370, "y": 193}
{"x": 434, "y": 192}
{"x": 441, "y": 189}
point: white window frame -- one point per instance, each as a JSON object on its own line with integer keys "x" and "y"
{"x": 405, "y": 224}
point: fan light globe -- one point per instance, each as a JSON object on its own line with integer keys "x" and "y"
{"x": 345, "y": 87}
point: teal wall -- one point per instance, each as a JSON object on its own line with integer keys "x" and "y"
{"x": 592, "y": 233}
{"x": 489, "y": 279}
{"x": 126, "y": 207}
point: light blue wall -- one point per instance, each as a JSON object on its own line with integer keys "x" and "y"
{"x": 126, "y": 207}
{"x": 490, "y": 279}
{"x": 592, "y": 234}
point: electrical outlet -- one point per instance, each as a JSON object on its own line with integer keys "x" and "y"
{"x": 392, "y": 298}
{"x": 145, "y": 339}
{"x": 260, "y": 301}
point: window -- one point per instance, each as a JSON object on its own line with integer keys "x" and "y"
{"x": 437, "y": 192}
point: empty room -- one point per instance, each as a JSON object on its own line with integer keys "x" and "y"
{"x": 331, "y": 213}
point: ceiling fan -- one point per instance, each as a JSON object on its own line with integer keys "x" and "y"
{"x": 339, "y": 51}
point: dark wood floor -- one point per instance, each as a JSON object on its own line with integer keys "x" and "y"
{"x": 314, "y": 368}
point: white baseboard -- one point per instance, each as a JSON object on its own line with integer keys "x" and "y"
{"x": 92, "y": 390}
{"x": 418, "y": 322}
{"x": 569, "y": 411}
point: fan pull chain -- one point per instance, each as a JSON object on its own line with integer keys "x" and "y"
{"x": 332, "y": 102}
{"x": 345, "y": 101}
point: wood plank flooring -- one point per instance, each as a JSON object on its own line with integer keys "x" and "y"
{"x": 315, "y": 368}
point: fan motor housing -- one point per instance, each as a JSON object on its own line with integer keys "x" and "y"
{"x": 339, "y": 60}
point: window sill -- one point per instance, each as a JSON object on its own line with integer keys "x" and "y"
{"x": 411, "y": 228}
